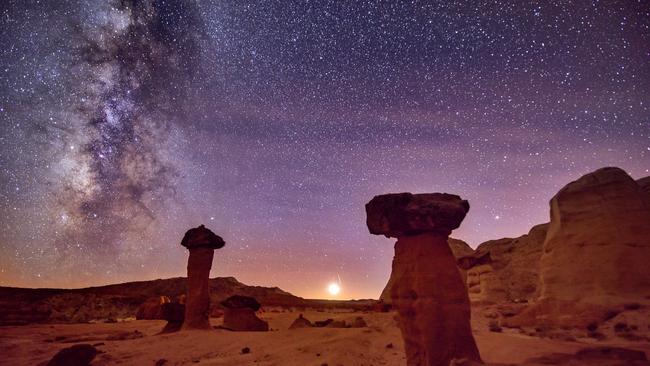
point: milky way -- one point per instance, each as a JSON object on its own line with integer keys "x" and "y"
{"x": 125, "y": 123}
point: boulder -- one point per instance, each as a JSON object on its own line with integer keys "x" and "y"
{"x": 77, "y": 355}
{"x": 337, "y": 324}
{"x": 239, "y": 314}
{"x": 427, "y": 289}
{"x": 323, "y": 323}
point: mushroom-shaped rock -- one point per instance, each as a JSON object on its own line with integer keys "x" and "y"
{"x": 239, "y": 314}
{"x": 201, "y": 242}
{"x": 428, "y": 291}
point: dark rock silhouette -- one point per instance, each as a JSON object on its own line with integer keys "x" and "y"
{"x": 239, "y": 302}
{"x": 77, "y": 355}
{"x": 152, "y": 308}
{"x": 239, "y": 314}
{"x": 301, "y": 322}
{"x": 428, "y": 291}
{"x": 323, "y": 323}
{"x": 201, "y": 243}
{"x": 174, "y": 313}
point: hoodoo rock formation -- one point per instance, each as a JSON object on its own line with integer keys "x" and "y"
{"x": 428, "y": 291}
{"x": 201, "y": 243}
{"x": 596, "y": 251}
{"x": 239, "y": 314}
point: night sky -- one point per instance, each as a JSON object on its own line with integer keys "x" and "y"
{"x": 125, "y": 123}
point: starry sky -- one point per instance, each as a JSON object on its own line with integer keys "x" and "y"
{"x": 125, "y": 123}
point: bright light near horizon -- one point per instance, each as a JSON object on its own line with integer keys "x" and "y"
{"x": 334, "y": 288}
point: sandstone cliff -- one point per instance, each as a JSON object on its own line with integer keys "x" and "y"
{"x": 505, "y": 270}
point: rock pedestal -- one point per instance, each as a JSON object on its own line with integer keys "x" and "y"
{"x": 201, "y": 243}
{"x": 239, "y": 314}
{"x": 428, "y": 291}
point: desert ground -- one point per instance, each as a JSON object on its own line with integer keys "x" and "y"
{"x": 138, "y": 342}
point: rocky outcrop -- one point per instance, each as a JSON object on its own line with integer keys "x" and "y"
{"x": 458, "y": 247}
{"x": 596, "y": 251}
{"x": 239, "y": 315}
{"x": 152, "y": 308}
{"x": 427, "y": 290}
{"x": 505, "y": 270}
{"x": 23, "y": 312}
{"x": 201, "y": 243}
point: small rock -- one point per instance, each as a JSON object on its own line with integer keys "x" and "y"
{"x": 245, "y": 350}
{"x": 323, "y": 323}
{"x": 389, "y": 345}
{"x": 337, "y": 324}
{"x": 161, "y": 362}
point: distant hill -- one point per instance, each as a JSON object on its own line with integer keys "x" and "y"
{"x": 25, "y": 305}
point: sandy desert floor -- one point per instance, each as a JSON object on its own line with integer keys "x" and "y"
{"x": 378, "y": 344}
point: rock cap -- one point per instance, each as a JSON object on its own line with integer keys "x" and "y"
{"x": 201, "y": 237}
{"x": 241, "y": 302}
{"x": 403, "y": 214}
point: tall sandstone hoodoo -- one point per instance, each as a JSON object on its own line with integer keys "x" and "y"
{"x": 598, "y": 243}
{"x": 201, "y": 242}
{"x": 596, "y": 253}
{"x": 427, "y": 289}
